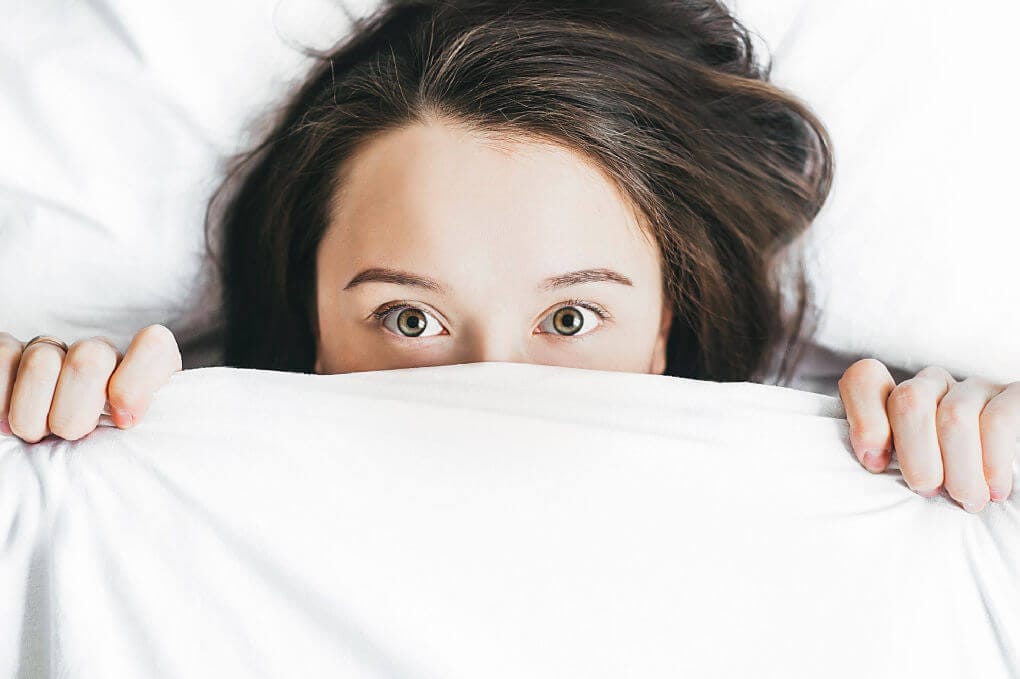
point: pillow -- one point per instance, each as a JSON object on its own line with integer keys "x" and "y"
{"x": 496, "y": 520}
{"x": 915, "y": 256}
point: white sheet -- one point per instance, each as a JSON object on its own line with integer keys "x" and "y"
{"x": 490, "y": 520}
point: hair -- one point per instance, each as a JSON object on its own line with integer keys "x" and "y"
{"x": 667, "y": 97}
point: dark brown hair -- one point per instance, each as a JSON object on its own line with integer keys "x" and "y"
{"x": 666, "y": 96}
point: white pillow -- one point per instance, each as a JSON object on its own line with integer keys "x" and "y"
{"x": 491, "y": 520}
{"x": 917, "y": 254}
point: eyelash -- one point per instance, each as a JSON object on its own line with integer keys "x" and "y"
{"x": 603, "y": 315}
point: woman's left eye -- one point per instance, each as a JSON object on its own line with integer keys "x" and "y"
{"x": 572, "y": 320}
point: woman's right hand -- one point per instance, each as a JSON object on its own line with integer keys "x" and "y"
{"x": 44, "y": 391}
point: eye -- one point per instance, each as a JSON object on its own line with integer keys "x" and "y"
{"x": 577, "y": 318}
{"x": 410, "y": 322}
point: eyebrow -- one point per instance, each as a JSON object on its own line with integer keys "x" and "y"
{"x": 564, "y": 280}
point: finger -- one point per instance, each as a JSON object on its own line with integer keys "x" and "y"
{"x": 864, "y": 389}
{"x": 10, "y": 355}
{"x": 33, "y": 388}
{"x": 148, "y": 364}
{"x": 911, "y": 408}
{"x": 1000, "y": 432}
{"x": 959, "y": 434}
{"x": 81, "y": 387}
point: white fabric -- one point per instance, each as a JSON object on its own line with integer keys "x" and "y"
{"x": 491, "y": 520}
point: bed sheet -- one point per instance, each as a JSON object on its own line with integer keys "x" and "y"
{"x": 490, "y": 519}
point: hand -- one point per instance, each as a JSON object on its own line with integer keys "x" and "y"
{"x": 959, "y": 434}
{"x": 44, "y": 391}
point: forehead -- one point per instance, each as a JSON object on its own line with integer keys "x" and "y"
{"x": 437, "y": 196}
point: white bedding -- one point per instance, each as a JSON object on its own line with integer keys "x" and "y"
{"x": 490, "y": 520}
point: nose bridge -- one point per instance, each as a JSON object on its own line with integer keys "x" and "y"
{"x": 496, "y": 339}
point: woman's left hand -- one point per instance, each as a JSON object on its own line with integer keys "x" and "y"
{"x": 961, "y": 435}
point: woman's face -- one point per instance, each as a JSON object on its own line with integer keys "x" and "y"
{"x": 446, "y": 247}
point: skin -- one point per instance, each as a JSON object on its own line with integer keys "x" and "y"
{"x": 490, "y": 220}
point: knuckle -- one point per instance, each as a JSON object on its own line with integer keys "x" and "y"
{"x": 979, "y": 382}
{"x": 906, "y": 399}
{"x": 161, "y": 340}
{"x": 868, "y": 364}
{"x": 952, "y": 415}
{"x": 935, "y": 372}
{"x": 157, "y": 335}
{"x": 994, "y": 418}
{"x": 169, "y": 341}
{"x": 89, "y": 357}
{"x": 862, "y": 370}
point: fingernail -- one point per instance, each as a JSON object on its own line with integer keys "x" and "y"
{"x": 930, "y": 493}
{"x": 124, "y": 416}
{"x": 972, "y": 507}
{"x": 873, "y": 460}
{"x": 4, "y": 428}
{"x": 997, "y": 495}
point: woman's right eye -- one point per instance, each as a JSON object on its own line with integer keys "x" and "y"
{"x": 408, "y": 321}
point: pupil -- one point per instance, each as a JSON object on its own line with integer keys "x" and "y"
{"x": 410, "y": 322}
{"x": 569, "y": 321}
